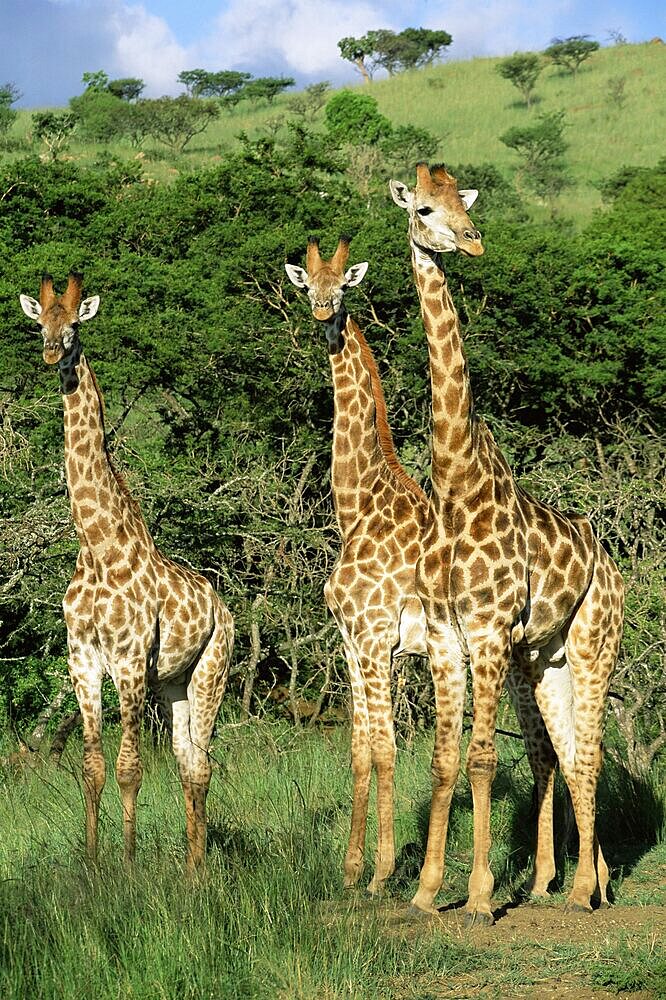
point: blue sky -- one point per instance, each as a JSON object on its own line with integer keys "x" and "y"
{"x": 47, "y": 45}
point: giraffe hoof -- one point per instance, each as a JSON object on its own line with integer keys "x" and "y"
{"x": 475, "y": 918}
{"x": 577, "y": 908}
{"x": 420, "y": 914}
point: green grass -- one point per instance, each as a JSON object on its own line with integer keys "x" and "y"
{"x": 271, "y": 920}
{"x": 468, "y": 105}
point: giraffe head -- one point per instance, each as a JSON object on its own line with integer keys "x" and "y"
{"x": 326, "y": 281}
{"x": 438, "y": 219}
{"x": 59, "y": 315}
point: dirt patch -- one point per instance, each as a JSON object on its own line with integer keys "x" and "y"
{"x": 548, "y": 922}
{"x": 537, "y": 951}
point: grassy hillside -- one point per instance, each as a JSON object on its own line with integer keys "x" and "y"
{"x": 468, "y": 105}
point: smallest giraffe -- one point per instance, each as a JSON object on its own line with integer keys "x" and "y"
{"x": 130, "y": 612}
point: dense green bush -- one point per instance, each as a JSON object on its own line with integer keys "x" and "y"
{"x": 217, "y": 380}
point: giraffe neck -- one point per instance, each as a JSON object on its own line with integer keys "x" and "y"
{"x": 334, "y": 328}
{"x": 363, "y": 458}
{"x": 455, "y": 461}
{"x": 101, "y": 506}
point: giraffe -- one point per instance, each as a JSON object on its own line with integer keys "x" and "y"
{"x": 382, "y": 515}
{"x": 501, "y": 574}
{"x": 130, "y": 612}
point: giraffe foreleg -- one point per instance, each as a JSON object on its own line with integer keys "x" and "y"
{"x": 377, "y": 672}
{"x": 87, "y": 672}
{"x": 490, "y": 656}
{"x": 361, "y": 765}
{"x": 449, "y": 674}
{"x": 131, "y": 683}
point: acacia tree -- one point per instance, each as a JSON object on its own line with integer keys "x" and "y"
{"x": 522, "y": 70}
{"x": 571, "y": 52}
{"x": 308, "y": 102}
{"x": 128, "y": 88}
{"x": 265, "y": 86}
{"x": 421, "y": 46}
{"x": 356, "y": 51}
{"x": 202, "y": 83}
{"x": 393, "y": 51}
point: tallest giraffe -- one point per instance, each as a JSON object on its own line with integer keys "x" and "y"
{"x": 501, "y": 575}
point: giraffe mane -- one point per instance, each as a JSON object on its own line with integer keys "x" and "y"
{"x": 384, "y": 435}
{"x": 117, "y": 475}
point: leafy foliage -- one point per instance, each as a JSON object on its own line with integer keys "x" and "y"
{"x": 128, "y": 88}
{"x": 354, "y": 118}
{"x": 175, "y": 121}
{"x": 54, "y": 129}
{"x": 542, "y": 147}
{"x": 394, "y": 51}
{"x": 9, "y": 94}
{"x": 267, "y": 87}
{"x": 202, "y": 83}
{"x": 522, "y": 69}
{"x": 571, "y": 52}
{"x": 217, "y": 387}
{"x": 100, "y": 115}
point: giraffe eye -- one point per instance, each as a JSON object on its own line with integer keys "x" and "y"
{"x": 424, "y": 211}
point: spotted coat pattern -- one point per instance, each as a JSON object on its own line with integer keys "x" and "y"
{"x": 382, "y": 516}
{"x": 501, "y": 575}
{"x": 131, "y": 612}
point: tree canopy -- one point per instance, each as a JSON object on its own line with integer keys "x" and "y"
{"x": 571, "y": 52}
{"x": 393, "y": 51}
{"x": 522, "y": 70}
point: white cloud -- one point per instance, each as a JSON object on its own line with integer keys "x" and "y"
{"x": 144, "y": 46}
{"x": 501, "y": 27}
{"x": 299, "y": 35}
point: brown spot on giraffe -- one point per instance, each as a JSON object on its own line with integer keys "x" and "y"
{"x": 555, "y": 627}
{"x": 100, "y": 605}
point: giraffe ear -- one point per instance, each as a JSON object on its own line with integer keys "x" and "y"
{"x": 468, "y": 197}
{"x": 355, "y": 275}
{"x": 88, "y": 308}
{"x": 30, "y": 306}
{"x": 400, "y": 193}
{"x": 297, "y": 275}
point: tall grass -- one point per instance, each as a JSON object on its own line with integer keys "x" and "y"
{"x": 270, "y": 920}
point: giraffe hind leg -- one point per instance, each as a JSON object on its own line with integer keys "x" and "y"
{"x": 195, "y": 703}
{"x": 543, "y": 763}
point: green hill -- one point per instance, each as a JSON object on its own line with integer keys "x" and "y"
{"x": 615, "y": 115}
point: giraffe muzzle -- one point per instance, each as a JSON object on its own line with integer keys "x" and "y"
{"x": 473, "y": 248}
{"x": 53, "y": 353}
